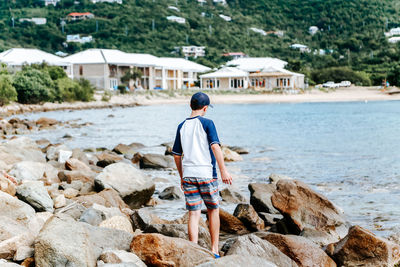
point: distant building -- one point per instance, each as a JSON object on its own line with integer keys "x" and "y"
{"x": 260, "y": 31}
{"x": 235, "y": 55}
{"x": 37, "y": 21}
{"x": 174, "y": 8}
{"x": 393, "y": 32}
{"x": 177, "y": 19}
{"x": 202, "y": 1}
{"x": 222, "y": 2}
{"x": 273, "y": 77}
{"x": 226, "y": 18}
{"x": 106, "y": 1}
{"x": 77, "y": 38}
{"x": 61, "y": 54}
{"x": 394, "y": 40}
{"x": 254, "y": 64}
{"x": 51, "y": 2}
{"x": 301, "y": 47}
{"x": 194, "y": 51}
{"x": 79, "y": 16}
{"x": 225, "y": 78}
{"x": 313, "y": 30}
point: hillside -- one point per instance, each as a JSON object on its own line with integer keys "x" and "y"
{"x": 352, "y": 30}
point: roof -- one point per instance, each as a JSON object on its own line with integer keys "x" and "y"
{"x": 79, "y": 14}
{"x": 234, "y": 54}
{"x": 273, "y": 71}
{"x": 226, "y": 72}
{"x": 181, "y": 64}
{"x": 252, "y": 64}
{"x": 21, "y": 56}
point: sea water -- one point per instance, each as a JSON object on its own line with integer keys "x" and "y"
{"x": 348, "y": 151}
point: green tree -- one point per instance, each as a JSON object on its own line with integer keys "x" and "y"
{"x": 7, "y": 90}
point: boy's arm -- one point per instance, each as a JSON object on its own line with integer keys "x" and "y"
{"x": 226, "y": 177}
{"x": 178, "y": 162}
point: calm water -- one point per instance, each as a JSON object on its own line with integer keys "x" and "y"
{"x": 347, "y": 151}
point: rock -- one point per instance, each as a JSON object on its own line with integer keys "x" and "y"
{"x": 238, "y": 260}
{"x": 171, "y": 193}
{"x": 118, "y": 222}
{"x": 35, "y": 194}
{"x": 142, "y": 219}
{"x": 270, "y": 219}
{"x": 232, "y": 195}
{"x": 4, "y": 166}
{"x": 53, "y": 153}
{"x": 239, "y": 149}
{"x": 70, "y": 176}
{"x": 304, "y": 208}
{"x": 64, "y": 155}
{"x": 301, "y": 250}
{"x": 107, "y": 197}
{"x": 180, "y": 230}
{"x": 107, "y": 212}
{"x": 159, "y": 250}
{"x": 131, "y": 184}
{"x": 108, "y": 158}
{"x": 156, "y": 161}
{"x": 20, "y": 149}
{"x": 231, "y": 224}
{"x": 76, "y": 165}
{"x": 80, "y": 155}
{"x": 124, "y": 150}
{"x": 6, "y": 185}
{"x": 33, "y": 171}
{"x": 121, "y": 256}
{"x": 362, "y": 248}
{"x": 249, "y": 217}
{"x": 230, "y": 155}
{"x": 92, "y": 216}
{"x": 73, "y": 209}
{"x": 260, "y": 197}
{"x": 274, "y": 178}
{"x": 251, "y": 245}
{"x": 70, "y": 193}
{"x": 136, "y": 146}
{"x": 60, "y": 201}
{"x": 22, "y": 253}
{"x": 43, "y": 142}
{"x": 137, "y": 158}
{"x": 45, "y": 122}
{"x": 168, "y": 151}
{"x": 4, "y": 263}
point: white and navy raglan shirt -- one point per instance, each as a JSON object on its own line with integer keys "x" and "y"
{"x": 193, "y": 141}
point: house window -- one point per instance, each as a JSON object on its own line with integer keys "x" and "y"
{"x": 80, "y": 70}
{"x": 113, "y": 84}
{"x": 217, "y": 84}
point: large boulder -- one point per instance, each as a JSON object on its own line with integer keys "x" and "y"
{"x": 231, "y": 224}
{"x": 156, "y": 161}
{"x": 33, "y": 171}
{"x": 180, "y": 230}
{"x": 76, "y": 165}
{"x": 131, "y": 184}
{"x": 238, "y": 260}
{"x": 159, "y": 250}
{"x": 362, "y": 248}
{"x": 232, "y": 195}
{"x": 7, "y": 185}
{"x": 121, "y": 256}
{"x": 171, "y": 193}
{"x": 230, "y": 155}
{"x": 124, "y": 149}
{"x": 142, "y": 219}
{"x": 107, "y": 158}
{"x": 305, "y": 209}
{"x": 118, "y": 222}
{"x": 251, "y": 245}
{"x": 249, "y": 217}
{"x": 35, "y": 194}
{"x": 303, "y": 251}
{"x": 107, "y": 198}
{"x": 21, "y": 149}
{"x": 260, "y": 197}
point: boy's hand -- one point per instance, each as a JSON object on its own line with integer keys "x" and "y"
{"x": 226, "y": 177}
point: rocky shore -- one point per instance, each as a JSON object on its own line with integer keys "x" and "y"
{"x": 74, "y": 207}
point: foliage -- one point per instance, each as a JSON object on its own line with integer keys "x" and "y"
{"x": 85, "y": 91}
{"x": 7, "y": 90}
{"x": 131, "y": 74}
{"x": 338, "y": 74}
{"x": 122, "y": 88}
{"x": 106, "y": 96}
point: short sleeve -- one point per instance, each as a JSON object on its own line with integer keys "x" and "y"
{"x": 177, "y": 148}
{"x": 212, "y": 134}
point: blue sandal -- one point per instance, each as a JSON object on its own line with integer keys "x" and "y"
{"x": 217, "y": 256}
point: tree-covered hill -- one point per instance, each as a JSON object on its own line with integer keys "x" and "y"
{"x": 352, "y": 30}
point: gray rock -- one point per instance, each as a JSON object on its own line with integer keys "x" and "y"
{"x": 92, "y": 216}
{"x": 232, "y": 195}
{"x": 142, "y": 219}
{"x": 4, "y": 263}
{"x": 33, "y": 171}
{"x": 107, "y": 158}
{"x": 274, "y": 178}
{"x": 249, "y": 217}
{"x": 80, "y": 155}
{"x": 251, "y": 245}
{"x": 124, "y": 149}
{"x": 156, "y": 161}
{"x": 21, "y": 149}
{"x": 260, "y": 197}
{"x": 74, "y": 210}
{"x": 35, "y": 194}
{"x": 270, "y": 219}
{"x": 131, "y": 184}
{"x": 121, "y": 257}
{"x": 239, "y": 149}
{"x": 171, "y": 193}
{"x": 180, "y": 230}
{"x": 53, "y": 152}
{"x": 239, "y": 260}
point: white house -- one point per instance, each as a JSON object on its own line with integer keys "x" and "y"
{"x": 260, "y": 31}
{"x": 313, "y": 30}
{"x": 394, "y": 40}
{"x": 15, "y": 58}
{"x": 222, "y": 2}
{"x": 37, "y": 21}
{"x": 51, "y": 2}
{"x": 226, "y": 18}
{"x": 77, "y": 38}
{"x": 393, "y": 32}
{"x": 194, "y": 51}
{"x": 174, "y": 8}
{"x": 273, "y": 77}
{"x": 301, "y": 47}
{"x": 107, "y": 1}
{"x": 225, "y": 78}
{"x": 254, "y": 64}
{"x": 177, "y": 19}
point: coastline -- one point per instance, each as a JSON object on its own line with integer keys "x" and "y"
{"x": 352, "y": 94}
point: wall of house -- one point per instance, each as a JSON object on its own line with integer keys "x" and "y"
{"x": 97, "y": 74}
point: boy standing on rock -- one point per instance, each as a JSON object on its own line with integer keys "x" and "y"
{"x": 196, "y": 150}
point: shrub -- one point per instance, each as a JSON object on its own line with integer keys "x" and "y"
{"x": 85, "y": 91}
{"x": 338, "y": 74}
{"x": 67, "y": 88}
{"x": 7, "y": 90}
{"x": 106, "y": 96}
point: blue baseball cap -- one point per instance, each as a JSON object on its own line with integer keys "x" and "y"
{"x": 199, "y": 100}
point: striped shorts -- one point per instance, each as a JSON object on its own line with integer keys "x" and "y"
{"x": 198, "y": 189}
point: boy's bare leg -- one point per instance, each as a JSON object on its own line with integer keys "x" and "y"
{"x": 213, "y": 218}
{"x": 193, "y": 225}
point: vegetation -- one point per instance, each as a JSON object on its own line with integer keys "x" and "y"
{"x": 7, "y": 90}
{"x": 338, "y": 74}
{"x": 351, "y": 32}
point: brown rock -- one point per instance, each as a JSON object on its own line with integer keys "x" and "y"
{"x": 230, "y": 155}
{"x": 260, "y": 197}
{"x": 231, "y": 224}
{"x": 108, "y": 198}
{"x": 232, "y": 195}
{"x": 362, "y": 248}
{"x": 306, "y": 209}
{"x": 247, "y": 214}
{"x": 156, "y": 161}
{"x": 304, "y": 252}
{"x": 45, "y": 122}
{"x": 29, "y": 262}
{"x": 124, "y": 150}
{"x": 76, "y": 165}
{"x": 142, "y": 219}
{"x": 83, "y": 176}
{"x": 159, "y": 250}
{"x": 107, "y": 158}
{"x": 79, "y": 154}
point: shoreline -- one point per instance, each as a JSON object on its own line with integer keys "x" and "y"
{"x": 352, "y": 94}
